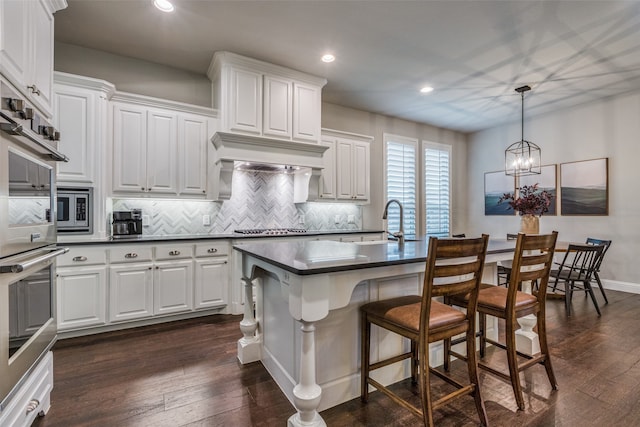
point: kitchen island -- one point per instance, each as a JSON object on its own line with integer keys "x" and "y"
{"x": 306, "y": 325}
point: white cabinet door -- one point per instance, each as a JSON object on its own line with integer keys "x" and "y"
{"x": 211, "y": 281}
{"x": 162, "y": 152}
{"x": 129, "y": 148}
{"x": 130, "y": 291}
{"x": 75, "y": 119}
{"x": 14, "y": 41}
{"x": 82, "y": 297}
{"x": 193, "y": 133}
{"x": 306, "y": 112}
{"x": 328, "y": 175}
{"x": 172, "y": 287}
{"x": 245, "y": 101}
{"x": 344, "y": 171}
{"x": 41, "y": 57}
{"x": 361, "y": 173}
{"x": 277, "y": 107}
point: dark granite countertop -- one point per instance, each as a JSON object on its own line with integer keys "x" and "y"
{"x": 75, "y": 241}
{"x": 316, "y": 257}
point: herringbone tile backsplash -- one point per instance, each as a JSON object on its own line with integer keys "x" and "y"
{"x": 259, "y": 200}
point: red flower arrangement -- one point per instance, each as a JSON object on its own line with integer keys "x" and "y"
{"x": 530, "y": 200}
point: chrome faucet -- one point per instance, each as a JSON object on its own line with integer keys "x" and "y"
{"x": 400, "y": 234}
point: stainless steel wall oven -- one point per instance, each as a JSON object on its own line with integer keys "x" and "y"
{"x": 28, "y": 157}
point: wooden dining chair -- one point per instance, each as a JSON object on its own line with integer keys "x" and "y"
{"x": 453, "y": 266}
{"x": 532, "y": 261}
{"x": 576, "y": 271}
{"x": 596, "y": 272}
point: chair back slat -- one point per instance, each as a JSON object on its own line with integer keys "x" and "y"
{"x": 454, "y": 266}
{"x": 605, "y": 243}
{"x": 532, "y": 260}
{"x": 581, "y": 261}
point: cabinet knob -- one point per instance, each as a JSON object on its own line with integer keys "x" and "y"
{"x": 174, "y": 253}
{"x": 212, "y": 250}
{"x": 142, "y": 188}
{"x": 157, "y": 268}
{"x": 131, "y": 255}
{"x": 79, "y": 258}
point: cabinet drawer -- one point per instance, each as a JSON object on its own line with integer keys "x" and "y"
{"x": 130, "y": 254}
{"x": 82, "y": 256}
{"x": 33, "y": 397}
{"x": 170, "y": 252}
{"x": 212, "y": 249}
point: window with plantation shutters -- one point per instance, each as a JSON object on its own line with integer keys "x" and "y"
{"x": 401, "y": 179}
{"x": 437, "y": 186}
{"x": 418, "y": 175}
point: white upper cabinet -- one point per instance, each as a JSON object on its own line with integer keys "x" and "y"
{"x": 346, "y": 174}
{"x": 193, "y": 132}
{"x": 159, "y": 151}
{"x": 26, "y": 48}
{"x": 81, "y": 111}
{"x": 262, "y": 99}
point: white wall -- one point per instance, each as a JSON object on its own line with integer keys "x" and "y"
{"x": 134, "y": 75}
{"x": 608, "y": 128}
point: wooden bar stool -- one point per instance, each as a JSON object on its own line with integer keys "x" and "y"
{"x": 453, "y": 266}
{"x": 532, "y": 261}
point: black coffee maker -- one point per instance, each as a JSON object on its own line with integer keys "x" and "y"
{"x": 127, "y": 223}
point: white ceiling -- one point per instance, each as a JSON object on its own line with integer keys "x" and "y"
{"x": 474, "y": 53}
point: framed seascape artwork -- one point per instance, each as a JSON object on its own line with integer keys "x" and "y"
{"x": 546, "y": 180}
{"x": 495, "y": 185}
{"x": 584, "y": 187}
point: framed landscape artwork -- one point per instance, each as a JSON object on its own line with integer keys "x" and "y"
{"x": 546, "y": 180}
{"x": 584, "y": 187}
{"x": 495, "y": 185}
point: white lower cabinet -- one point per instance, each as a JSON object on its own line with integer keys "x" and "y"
{"x": 130, "y": 291}
{"x": 172, "y": 287}
{"x": 108, "y": 285}
{"x": 82, "y": 298}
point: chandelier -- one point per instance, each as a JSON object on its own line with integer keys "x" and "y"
{"x": 522, "y": 157}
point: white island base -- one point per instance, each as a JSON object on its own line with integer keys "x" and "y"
{"x": 306, "y": 331}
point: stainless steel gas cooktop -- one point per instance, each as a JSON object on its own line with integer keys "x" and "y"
{"x": 270, "y": 231}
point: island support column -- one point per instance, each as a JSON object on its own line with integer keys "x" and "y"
{"x": 307, "y": 392}
{"x": 248, "y": 345}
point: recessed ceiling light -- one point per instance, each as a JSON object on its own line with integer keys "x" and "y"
{"x": 163, "y": 5}
{"x": 328, "y": 58}
{"x": 426, "y": 89}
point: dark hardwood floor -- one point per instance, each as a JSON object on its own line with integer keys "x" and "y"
{"x": 186, "y": 374}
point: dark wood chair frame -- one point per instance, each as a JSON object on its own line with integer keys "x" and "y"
{"x": 460, "y": 263}
{"x": 596, "y": 272}
{"x": 577, "y": 270}
{"x": 532, "y": 251}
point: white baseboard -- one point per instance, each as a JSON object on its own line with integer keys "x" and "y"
{"x": 616, "y": 285}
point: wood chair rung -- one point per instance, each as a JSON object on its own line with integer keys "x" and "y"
{"x": 532, "y": 361}
{"x": 383, "y": 363}
{"x": 465, "y": 390}
{"x": 446, "y": 378}
{"x": 495, "y": 372}
{"x": 400, "y": 401}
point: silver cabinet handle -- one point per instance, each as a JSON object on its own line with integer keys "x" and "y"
{"x": 131, "y": 255}
{"x": 174, "y": 253}
{"x": 32, "y": 405}
{"x": 212, "y": 250}
{"x": 34, "y": 89}
{"x": 80, "y": 258}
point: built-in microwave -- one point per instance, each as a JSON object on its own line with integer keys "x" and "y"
{"x": 74, "y": 210}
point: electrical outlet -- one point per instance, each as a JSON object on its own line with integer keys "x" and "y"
{"x": 336, "y": 219}
{"x": 145, "y": 220}
{"x": 206, "y": 220}
{"x": 301, "y": 219}
{"x": 351, "y": 219}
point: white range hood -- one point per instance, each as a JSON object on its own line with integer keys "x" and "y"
{"x": 233, "y": 151}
